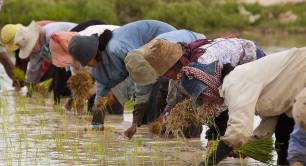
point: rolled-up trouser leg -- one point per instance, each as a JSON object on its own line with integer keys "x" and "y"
{"x": 283, "y": 129}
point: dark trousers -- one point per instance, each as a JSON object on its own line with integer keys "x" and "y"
{"x": 157, "y": 101}
{"x": 218, "y": 127}
{"x": 59, "y": 83}
{"x": 283, "y": 129}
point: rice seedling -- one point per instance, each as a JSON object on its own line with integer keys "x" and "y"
{"x": 258, "y": 149}
{"x": 19, "y": 74}
{"x": 157, "y": 127}
{"x": 80, "y": 85}
{"x": 75, "y": 154}
{"x": 187, "y": 115}
{"x": 58, "y": 143}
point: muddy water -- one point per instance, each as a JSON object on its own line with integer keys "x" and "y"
{"x": 32, "y": 132}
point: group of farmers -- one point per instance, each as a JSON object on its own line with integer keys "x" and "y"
{"x": 158, "y": 66}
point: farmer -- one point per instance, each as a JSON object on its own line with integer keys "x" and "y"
{"x": 210, "y": 51}
{"x": 62, "y": 59}
{"x": 110, "y": 70}
{"x": 227, "y": 50}
{"x": 8, "y": 33}
{"x": 112, "y": 49}
{"x": 33, "y": 42}
{"x": 268, "y": 94}
{"x": 297, "y": 144}
{"x": 60, "y": 74}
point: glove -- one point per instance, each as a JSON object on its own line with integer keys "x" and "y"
{"x": 219, "y": 154}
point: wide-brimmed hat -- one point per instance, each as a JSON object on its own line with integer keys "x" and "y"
{"x": 8, "y": 33}
{"x": 26, "y": 38}
{"x": 159, "y": 54}
{"x": 59, "y": 42}
{"x": 83, "y": 48}
{"x": 139, "y": 68}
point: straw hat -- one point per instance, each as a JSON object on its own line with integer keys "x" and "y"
{"x": 158, "y": 55}
{"x": 139, "y": 69}
{"x": 26, "y": 38}
{"x": 8, "y": 33}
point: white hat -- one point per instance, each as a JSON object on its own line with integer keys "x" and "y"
{"x": 26, "y": 38}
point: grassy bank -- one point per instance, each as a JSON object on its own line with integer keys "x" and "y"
{"x": 204, "y": 16}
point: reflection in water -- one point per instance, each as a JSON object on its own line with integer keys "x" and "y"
{"x": 33, "y": 133}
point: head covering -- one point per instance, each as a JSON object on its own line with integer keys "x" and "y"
{"x": 26, "y": 38}
{"x": 83, "y": 48}
{"x": 8, "y": 33}
{"x": 197, "y": 79}
{"x": 59, "y": 48}
{"x": 139, "y": 69}
{"x": 160, "y": 54}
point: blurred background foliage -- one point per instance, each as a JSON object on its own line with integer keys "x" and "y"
{"x": 205, "y": 16}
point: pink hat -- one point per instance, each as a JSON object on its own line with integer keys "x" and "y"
{"x": 59, "y": 48}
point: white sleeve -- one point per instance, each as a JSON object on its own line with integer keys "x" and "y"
{"x": 241, "y": 98}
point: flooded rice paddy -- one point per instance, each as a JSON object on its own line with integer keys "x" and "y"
{"x": 32, "y": 132}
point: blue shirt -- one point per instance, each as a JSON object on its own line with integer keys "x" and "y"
{"x": 111, "y": 70}
{"x": 183, "y": 35}
{"x": 297, "y": 146}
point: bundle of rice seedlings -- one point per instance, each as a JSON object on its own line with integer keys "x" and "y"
{"x": 258, "y": 149}
{"x": 19, "y": 74}
{"x": 43, "y": 87}
{"x": 157, "y": 127}
{"x": 180, "y": 117}
{"x": 102, "y": 102}
{"x": 80, "y": 84}
{"x": 183, "y": 115}
{"x": 205, "y": 113}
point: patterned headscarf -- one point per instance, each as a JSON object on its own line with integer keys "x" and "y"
{"x": 201, "y": 79}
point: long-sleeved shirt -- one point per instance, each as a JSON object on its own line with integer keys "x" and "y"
{"x": 297, "y": 146}
{"x": 37, "y": 60}
{"x": 182, "y": 36}
{"x": 53, "y": 27}
{"x": 97, "y": 29}
{"x": 111, "y": 70}
{"x": 265, "y": 88}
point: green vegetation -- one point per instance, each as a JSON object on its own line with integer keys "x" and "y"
{"x": 204, "y": 16}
